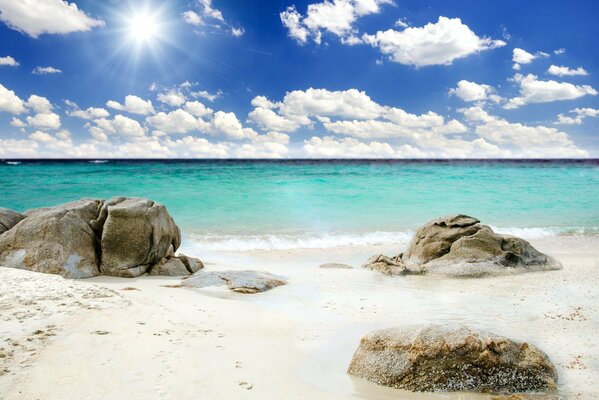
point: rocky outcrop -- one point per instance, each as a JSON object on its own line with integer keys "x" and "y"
{"x": 9, "y": 218}
{"x": 57, "y": 240}
{"x": 122, "y": 236}
{"x": 134, "y": 234}
{"x": 451, "y": 358}
{"x": 460, "y": 245}
{"x": 247, "y": 282}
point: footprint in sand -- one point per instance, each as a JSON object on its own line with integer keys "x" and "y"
{"x": 246, "y": 385}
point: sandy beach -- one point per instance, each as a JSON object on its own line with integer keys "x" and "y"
{"x": 116, "y": 338}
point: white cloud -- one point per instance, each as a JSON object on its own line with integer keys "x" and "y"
{"x": 527, "y": 141}
{"x": 331, "y": 147}
{"x": 227, "y": 124}
{"x": 178, "y": 121}
{"x": 520, "y": 56}
{"x": 579, "y": 115}
{"x": 210, "y": 18}
{"x": 565, "y": 71}
{"x": 133, "y": 105}
{"x": 191, "y": 17}
{"x": 18, "y": 148}
{"x": 204, "y": 94}
{"x": 44, "y": 121}
{"x": 8, "y": 61}
{"x": 37, "y": 17}
{"x": 91, "y": 113}
{"x": 10, "y": 102}
{"x": 17, "y": 123}
{"x": 39, "y": 104}
{"x": 336, "y": 17}
{"x": 472, "y": 91}
{"x": 45, "y": 70}
{"x": 433, "y": 44}
{"x": 269, "y": 120}
{"x": 197, "y": 109}
{"x": 559, "y": 51}
{"x": 533, "y": 90}
{"x": 120, "y": 125}
{"x": 194, "y": 147}
{"x": 172, "y": 97}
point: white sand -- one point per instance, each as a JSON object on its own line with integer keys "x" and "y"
{"x": 293, "y": 342}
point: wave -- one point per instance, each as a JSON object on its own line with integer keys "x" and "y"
{"x": 289, "y": 242}
{"x": 265, "y": 242}
{"x": 13, "y": 162}
{"x": 98, "y": 161}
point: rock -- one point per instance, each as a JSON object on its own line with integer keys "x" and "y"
{"x": 135, "y": 233}
{"x": 451, "y": 358}
{"x": 192, "y": 264}
{"x": 57, "y": 240}
{"x": 170, "y": 267}
{"x": 461, "y": 246}
{"x": 9, "y": 218}
{"x": 238, "y": 281}
{"x": 434, "y": 239}
{"x": 389, "y": 266}
{"x": 335, "y": 266}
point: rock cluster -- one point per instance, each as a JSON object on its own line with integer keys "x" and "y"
{"x": 451, "y": 358}
{"x": 123, "y": 236}
{"x": 460, "y": 245}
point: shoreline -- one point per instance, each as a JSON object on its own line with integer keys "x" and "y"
{"x": 295, "y": 340}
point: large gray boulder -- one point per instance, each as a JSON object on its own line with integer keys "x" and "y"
{"x": 135, "y": 234}
{"x": 9, "y": 218}
{"x": 451, "y": 358}
{"x": 460, "y": 245}
{"x": 57, "y": 240}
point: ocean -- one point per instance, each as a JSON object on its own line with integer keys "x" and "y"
{"x": 261, "y": 205}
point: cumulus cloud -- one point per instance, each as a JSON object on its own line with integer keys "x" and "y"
{"x": 45, "y": 70}
{"x": 437, "y": 43}
{"x": 565, "y": 71}
{"x": 533, "y": 90}
{"x": 209, "y": 18}
{"x": 472, "y": 91}
{"x": 10, "y": 102}
{"x": 336, "y": 17}
{"x": 204, "y": 94}
{"x": 197, "y": 109}
{"x": 37, "y": 17}
{"x": 39, "y": 104}
{"x": 8, "y": 61}
{"x": 331, "y": 147}
{"x": 91, "y": 113}
{"x": 133, "y": 105}
{"x": 121, "y": 126}
{"x": 526, "y": 141}
{"x": 178, "y": 121}
{"x": 520, "y": 56}
{"x": 44, "y": 121}
{"x": 579, "y": 114}
{"x": 172, "y": 97}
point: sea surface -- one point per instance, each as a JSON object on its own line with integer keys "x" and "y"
{"x": 261, "y": 205}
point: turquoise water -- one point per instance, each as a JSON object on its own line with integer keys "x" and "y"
{"x": 333, "y": 200}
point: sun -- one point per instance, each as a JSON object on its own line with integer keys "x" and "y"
{"x": 143, "y": 27}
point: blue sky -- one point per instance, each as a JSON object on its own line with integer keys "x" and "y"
{"x": 342, "y": 78}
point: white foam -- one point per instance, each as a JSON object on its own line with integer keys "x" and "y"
{"x": 98, "y": 161}
{"x": 13, "y": 162}
{"x": 289, "y": 242}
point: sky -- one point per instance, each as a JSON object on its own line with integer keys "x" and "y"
{"x": 299, "y": 79}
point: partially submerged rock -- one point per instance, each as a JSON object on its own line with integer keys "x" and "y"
{"x": 238, "y": 281}
{"x": 451, "y": 358}
{"x": 57, "y": 240}
{"x": 9, "y": 218}
{"x": 460, "y": 245}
